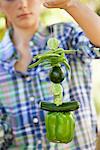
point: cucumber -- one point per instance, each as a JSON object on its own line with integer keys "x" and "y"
{"x": 64, "y": 107}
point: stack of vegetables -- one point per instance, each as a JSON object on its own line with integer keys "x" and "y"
{"x": 60, "y": 121}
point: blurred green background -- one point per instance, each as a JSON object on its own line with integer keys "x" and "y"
{"x": 50, "y": 16}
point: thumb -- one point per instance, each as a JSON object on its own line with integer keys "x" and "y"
{"x": 46, "y": 4}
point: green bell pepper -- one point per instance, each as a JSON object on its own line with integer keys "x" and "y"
{"x": 60, "y": 126}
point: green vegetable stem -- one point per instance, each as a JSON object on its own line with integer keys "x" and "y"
{"x": 54, "y": 56}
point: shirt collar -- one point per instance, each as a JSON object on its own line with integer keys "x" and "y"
{"x": 7, "y": 47}
{"x": 40, "y": 37}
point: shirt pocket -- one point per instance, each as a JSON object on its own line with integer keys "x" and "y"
{"x": 20, "y": 117}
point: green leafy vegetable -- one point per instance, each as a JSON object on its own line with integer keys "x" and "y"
{"x": 54, "y": 56}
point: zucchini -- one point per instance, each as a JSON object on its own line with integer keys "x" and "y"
{"x": 64, "y": 107}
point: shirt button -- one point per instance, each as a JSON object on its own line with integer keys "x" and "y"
{"x": 28, "y": 79}
{"x": 39, "y": 141}
{"x": 31, "y": 43}
{"x": 35, "y": 120}
{"x": 32, "y": 99}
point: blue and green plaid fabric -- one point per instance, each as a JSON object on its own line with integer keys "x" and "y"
{"x": 22, "y": 122}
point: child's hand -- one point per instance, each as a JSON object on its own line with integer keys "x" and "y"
{"x": 56, "y": 3}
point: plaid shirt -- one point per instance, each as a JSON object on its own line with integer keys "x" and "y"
{"x": 22, "y": 122}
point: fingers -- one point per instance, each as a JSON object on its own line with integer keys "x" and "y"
{"x": 54, "y": 3}
{"x": 50, "y": 5}
{"x": 47, "y": 5}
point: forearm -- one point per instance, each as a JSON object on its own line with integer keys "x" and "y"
{"x": 87, "y": 19}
